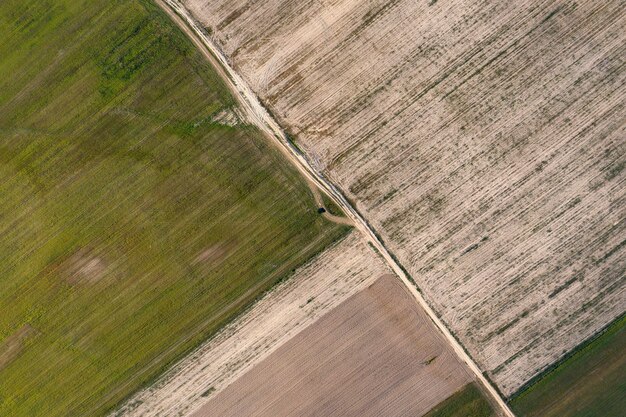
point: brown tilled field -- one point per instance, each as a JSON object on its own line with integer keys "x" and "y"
{"x": 312, "y": 291}
{"x": 375, "y": 354}
{"x": 483, "y": 140}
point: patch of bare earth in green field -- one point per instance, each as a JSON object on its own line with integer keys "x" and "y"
{"x": 136, "y": 216}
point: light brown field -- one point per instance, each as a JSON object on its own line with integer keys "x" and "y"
{"x": 484, "y": 141}
{"x": 11, "y": 346}
{"x": 375, "y": 354}
{"x": 313, "y": 290}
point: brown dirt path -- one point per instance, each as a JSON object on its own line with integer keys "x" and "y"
{"x": 258, "y": 115}
{"x": 375, "y": 354}
{"x": 314, "y": 289}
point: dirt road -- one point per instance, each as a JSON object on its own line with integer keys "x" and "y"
{"x": 376, "y": 354}
{"x": 258, "y": 115}
{"x": 327, "y": 215}
{"x": 254, "y": 112}
{"x": 314, "y": 290}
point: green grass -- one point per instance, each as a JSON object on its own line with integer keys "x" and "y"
{"x": 590, "y": 383}
{"x": 109, "y": 158}
{"x": 331, "y": 207}
{"x": 467, "y": 402}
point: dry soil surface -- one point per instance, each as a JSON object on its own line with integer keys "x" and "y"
{"x": 484, "y": 141}
{"x": 11, "y": 346}
{"x": 377, "y": 354}
{"x": 312, "y": 291}
{"x": 258, "y": 115}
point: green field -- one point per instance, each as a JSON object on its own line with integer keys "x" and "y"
{"x": 467, "y": 402}
{"x": 132, "y": 225}
{"x": 591, "y": 383}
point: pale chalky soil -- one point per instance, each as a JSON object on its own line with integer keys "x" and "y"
{"x": 484, "y": 141}
{"x": 312, "y": 291}
{"x": 376, "y": 354}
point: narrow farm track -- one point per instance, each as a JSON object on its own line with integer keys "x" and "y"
{"x": 316, "y": 288}
{"x": 254, "y": 111}
{"x": 258, "y": 115}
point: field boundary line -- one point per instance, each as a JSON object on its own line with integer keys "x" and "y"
{"x": 259, "y": 115}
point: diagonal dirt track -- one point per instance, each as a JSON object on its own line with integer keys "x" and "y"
{"x": 375, "y": 354}
{"x": 259, "y": 116}
{"x": 313, "y": 290}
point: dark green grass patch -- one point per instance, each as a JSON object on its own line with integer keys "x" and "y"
{"x": 131, "y": 226}
{"x": 467, "y": 402}
{"x": 590, "y": 383}
{"x": 331, "y": 207}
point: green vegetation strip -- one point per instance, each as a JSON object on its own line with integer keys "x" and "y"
{"x": 590, "y": 383}
{"x": 467, "y": 402}
{"x": 133, "y": 225}
{"x": 331, "y": 206}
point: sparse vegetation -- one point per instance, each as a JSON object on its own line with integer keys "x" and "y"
{"x": 130, "y": 230}
{"x": 507, "y": 125}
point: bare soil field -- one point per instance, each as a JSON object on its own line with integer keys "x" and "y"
{"x": 484, "y": 141}
{"x": 376, "y": 354}
{"x": 311, "y": 292}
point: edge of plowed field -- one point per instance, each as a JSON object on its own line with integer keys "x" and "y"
{"x": 257, "y": 114}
